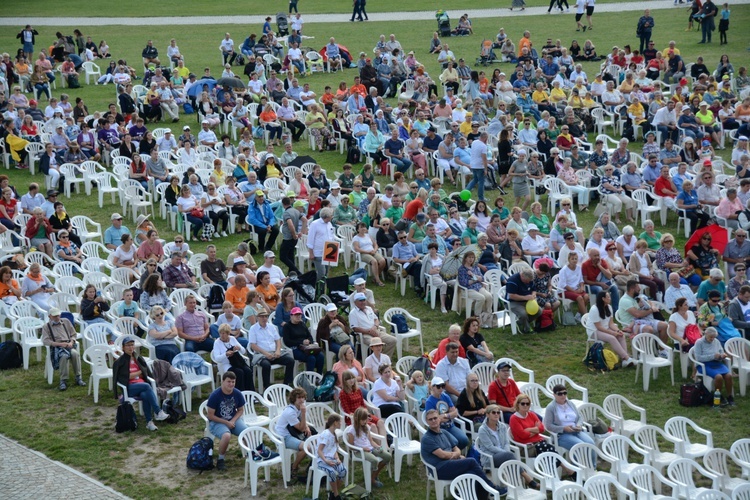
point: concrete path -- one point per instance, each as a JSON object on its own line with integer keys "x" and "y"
{"x": 28, "y": 474}
{"x": 326, "y": 18}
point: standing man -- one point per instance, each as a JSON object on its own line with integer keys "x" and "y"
{"x": 356, "y": 10}
{"x": 320, "y": 231}
{"x": 644, "y": 28}
{"x": 60, "y": 336}
{"x": 708, "y": 11}
{"x": 225, "y": 408}
{"x": 289, "y": 223}
{"x": 479, "y": 164}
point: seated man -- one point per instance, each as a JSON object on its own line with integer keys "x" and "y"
{"x": 192, "y": 325}
{"x": 518, "y": 290}
{"x": 362, "y": 319}
{"x": 597, "y": 275}
{"x": 113, "y": 234}
{"x": 440, "y": 401}
{"x": 736, "y": 310}
{"x": 440, "y": 450}
{"x": 453, "y": 370}
{"x": 59, "y": 335}
{"x": 677, "y": 290}
{"x": 265, "y": 341}
{"x": 454, "y": 336}
{"x": 226, "y": 406}
{"x": 177, "y": 274}
{"x": 213, "y": 269}
{"x": 638, "y": 313}
{"x": 277, "y": 275}
{"x": 150, "y": 54}
{"x": 405, "y": 253}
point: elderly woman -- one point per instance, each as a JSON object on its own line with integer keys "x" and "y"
{"x": 614, "y": 194}
{"x": 602, "y": 320}
{"x": 66, "y": 250}
{"x": 345, "y": 214}
{"x": 36, "y": 287}
{"x": 652, "y": 237}
{"x": 611, "y": 232}
{"x": 526, "y": 427}
{"x": 597, "y": 241}
{"x": 539, "y": 219}
{"x": 518, "y": 223}
{"x": 709, "y": 351}
{"x": 546, "y": 296}
{"x": 224, "y": 351}
{"x": 432, "y": 264}
{"x": 334, "y": 329}
{"x": 518, "y": 174}
{"x": 471, "y": 278}
{"x": 162, "y": 334}
{"x": 38, "y": 230}
{"x": 300, "y": 185}
{"x": 669, "y": 260}
{"x": 640, "y": 264}
{"x": 297, "y": 337}
{"x": 626, "y": 243}
{"x": 568, "y": 176}
{"x": 561, "y": 417}
{"x": 511, "y": 249}
{"x": 470, "y": 234}
{"x": 687, "y": 201}
{"x": 572, "y": 284}
{"x": 316, "y": 125}
{"x": 487, "y": 259}
{"x": 702, "y": 256}
{"x": 617, "y": 267}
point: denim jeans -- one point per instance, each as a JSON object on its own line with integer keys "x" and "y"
{"x": 614, "y": 292}
{"x": 167, "y": 352}
{"x": 402, "y": 164}
{"x": 313, "y": 363}
{"x": 197, "y": 224}
{"x": 206, "y": 345}
{"x": 569, "y": 439}
{"x": 145, "y": 393}
{"x": 478, "y": 181}
{"x": 460, "y": 436}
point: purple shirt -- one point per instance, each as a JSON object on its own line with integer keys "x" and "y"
{"x": 192, "y": 323}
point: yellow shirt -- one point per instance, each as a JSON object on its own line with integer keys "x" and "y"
{"x": 674, "y": 51}
{"x": 465, "y": 128}
{"x": 540, "y": 96}
{"x": 589, "y": 103}
{"x": 183, "y": 72}
{"x": 557, "y": 94}
{"x": 706, "y": 118}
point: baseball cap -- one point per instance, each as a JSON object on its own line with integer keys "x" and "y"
{"x": 295, "y": 310}
{"x": 533, "y": 227}
{"x": 502, "y": 365}
{"x": 360, "y": 281}
{"x": 185, "y": 128}
{"x": 54, "y": 312}
{"x": 331, "y": 307}
{"x": 438, "y": 381}
{"x": 32, "y": 102}
{"x": 239, "y": 260}
{"x": 335, "y": 185}
{"x": 128, "y": 339}
{"x": 299, "y": 203}
{"x": 205, "y": 122}
{"x": 291, "y": 194}
{"x": 260, "y": 192}
{"x": 686, "y": 107}
{"x": 269, "y": 254}
{"x": 703, "y": 103}
{"x": 116, "y": 216}
{"x": 569, "y": 236}
{"x": 51, "y": 192}
{"x": 360, "y": 296}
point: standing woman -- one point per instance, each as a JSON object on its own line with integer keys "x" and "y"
{"x": 504, "y": 158}
{"x": 519, "y": 173}
{"x": 518, "y": 4}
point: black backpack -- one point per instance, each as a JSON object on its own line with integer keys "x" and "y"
{"x": 200, "y": 456}
{"x": 353, "y": 155}
{"x": 11, "y": 355}
{"x": 399, "y": 323}
{"x": 216, "y": 297}
{"x": 175, "y": 414}
{"x": 595, "y": 358}
{"x": 125, "y": 419}
{"x": 424, "y": 365}
{"x": 324, "y": 392}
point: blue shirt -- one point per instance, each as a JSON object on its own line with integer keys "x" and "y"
{"x": 226, "y": 406}
{"x": 443, "y": 405}
{"x": 432, "y": 441}
{"x": 516, "y": 286}
{"x": 404, "y": 252}
{"x": 688, "y": 199}
{"x": 113, "y": 236}
{"x": 651, "y": 174}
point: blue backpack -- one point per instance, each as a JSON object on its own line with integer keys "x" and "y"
{"x": 324, "y": 392}
{"x": 595, "y": 358}
{"x": 200, "y": 456}
{"x": 399, "y": 323}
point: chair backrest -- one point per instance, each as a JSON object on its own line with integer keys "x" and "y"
{"x": 97, "y": 334}
{"x": 681, "y": 427}
{"x": 70, "y": 284}
{"x": 317, "y": 414}
{"x": 546, "y": 465}
{"x": 681, "y": 472}
{"x": 718, "y": 461}
{"x": 515, "y": 369}
{"x": 712, "y": 495}
{"x": 535, "y": 391}
{"x": 95, "y": 249}
{"x": 517, "y": 268}
{"x": 98, "y": 357}
{"x": 618, "y": 447}
{"x": 585, "y": 456}
{"x": 38, "y": 258}
{"x": 67, "y": 268}
{"x": 741, "y": 492}
{"x": 277, "y": 394}
{"x": 570, "y": 492}
{"x": 739, "y": 350}
{"x": 651, "y": 438}
{"x": 601, "y": 485}
{"x": 313, "y": 378}
{"x": 613, "y": 405}
{"x": 464, "y": 487}
{"x": 556, "y": 379}
{"x": 399, "y": 427}
{"x": 647, "y": 480}
{"x": 740, "y": 449}
{"x": 99, "y": 280}
{"x": 314, "y": 313}
{"x": 510, "y": 475}
{"x": 24, "y": 309}
{"x": 647, "y": 346}
{"x": 486, "y": 373}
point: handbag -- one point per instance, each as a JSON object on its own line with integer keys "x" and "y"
{"x": 692, "y": 334}
{"x": 339, "y": 336}
{"x": 237, "y": 361}
{"x": 727, "y": 330}
{"x": 310, "y": 349}
{"x": 298, "y": 434}
{"x": 197, "y": 212}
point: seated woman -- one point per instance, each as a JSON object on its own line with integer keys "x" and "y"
{"x": 546, "y": 297}
{"x": 680, "y": 319}
{"x": 297, "y": 337}
{"x": 367, "y": 249}
{"x": 224, "y": 352}
{"x": 154, "y": 294}
{"x": 471, "y": 278}
{"x": 334, "y": 329}
{"x": 687, "y": 200}
{"x": 131, "y": 370}
{"x": 358, "y": 434}
{"x": 387, "y": 236}
{"x": 284, "y": 307}
{"x": 93, "y": 306}
{"x": 710, "y": 352}
{"x": 703, "y": 257}
{"x": 162, "y": 334}
{"x": 348, "y": 363}
{"x": 66, "y": 250}
{"x": 10, "y": 290}
{"x": 253, "y": 305}
{"x": 474, "y": 344}
{"x": 125, "y": 254}
{"x": 669, "y": 260}
{"x": 492, "y": 440}
{"x": 487, "y": 257}
{"x": 640, "y": 264}
{"x": 388, "y": 392}
{"x": 36, "y": 287}
{"x": 472, "y": 402}
{"x": 60, "y": 220}
{"x": 442, "y": 402}
{"x": 562, "y": 418}
{"x": 602, "y": 320}
{"x": 526, "y": 427}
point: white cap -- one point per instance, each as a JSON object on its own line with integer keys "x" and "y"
{"x": 331, "y": 307}
{"x": 360, "y": 281}
{"x": 438, "y": 381}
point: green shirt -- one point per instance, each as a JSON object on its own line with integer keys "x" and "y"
{"x": 653, "y": 243}
{"x": 394, "y": 214}
{"x": 541, "y": 222}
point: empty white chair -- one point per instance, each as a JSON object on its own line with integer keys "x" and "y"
{"x": 647, "y": 482}
{"x": 712, "y": 495}
{"x": 741, "y": 492}
{"x": 680, "y": 428}
{"x": 586, "y": 457}
{"x": 92, "y": 70}
{"x": 739, "y": 351}
{"x": 399, "y": 427}
{"x": 546, "y": 466}
{"x": 570, "y": 491}
{"x": 250, "y": 439}
{"x": 28, "y": 332}
{"x": 614, "y": 406}
{"x": 464, "y": 487}
{"x": 250, "y": 416}
{"x": 510, "y": 477}
{"x": 599, "y": 487}
{"x": 648, "y": 348}
{"x": 652, "y": 438}
{"x": 740, "y": 449}
{"x": 682, "y": 472}
{"x": 619, "y": 449}
{"x": 718, "y": 461}
{"x": 568, "y": 382}
{"x": 277, "y": 394}
{"x": 97, "y": 357}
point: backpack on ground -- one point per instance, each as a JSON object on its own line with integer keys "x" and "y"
{"x": 399, "y": 323}
{"x": 611, "y": 359}
{"x": 353, "y": 155}
{"x": 308, "y": 388}
{"x": 11, "y": 355}
{"x": 423, "y": 365}
{"x": 125, "y": 419}
{"x": 73, "y": 82}
{"x": 200, "y": 457}
{"x": 545, "y": 322}
{"x": 695, "y": 395}
{"x": 175, "y": 414}
{"x": 594, "y": 359}
{"x": 354, "y": 492}
{"x": 569, "y": 319}
{"x": 324, "y": 392}
{"x": 216, "y": 297}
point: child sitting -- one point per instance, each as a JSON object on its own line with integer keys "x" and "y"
{"x": 419, "y": 387}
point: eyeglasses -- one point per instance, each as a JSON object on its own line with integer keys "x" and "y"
{"x": 740, "y": 236}
{"x": 714, "y": 300}
{"x": 739, "y": 268}
{"x": 562, "y": 393}
{"x": 495, "y": 412}
{"x": 566, "y": 204}
{"x": 706, "y": 238}
{"x": 524, "y": 404}
{"x": 178, "y": 241}
{"x": 159, "y": 315}
{"x": 64, "y": 237}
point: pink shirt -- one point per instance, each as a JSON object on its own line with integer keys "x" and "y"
{"x": 727, "y": 208}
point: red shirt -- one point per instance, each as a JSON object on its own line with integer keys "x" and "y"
{"x": 313, "y": 208}
{"x": 661, "y": 184}
{"x": 412, "y": 209}
{"x": 10, "y": 206}
{"x": 519, "y": 425}
{"x": 590, "y": 271}
{"x": 440, "y": 353}
{"x": 135, "y": 368}
{"x": 504, "y": 396}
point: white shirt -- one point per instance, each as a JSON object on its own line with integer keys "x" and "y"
{"x": 374, "y": 363}
{"x": 672, "y": 294}
{"x": 391, "y": 390}
{"x": 318, "y": 233}
{"x": 601, "y": 246}
{"x": 295, "y": 54}
{"x": 277, "y": 275}
{"x": 265, "y": 338}
{"x": 297, "y": 23}
{"x": 663, "y": 117}
{"x": 570, "y": 277}
{"x": 580, "y": 6}
{"x": 207, "y": 136}
{"x": 530, "y": 244}
{"x": 478, "y": 154}
{"x": 364, "y": 319}
{"x": 455, "y": 374}
{"x": 227, "y": 45}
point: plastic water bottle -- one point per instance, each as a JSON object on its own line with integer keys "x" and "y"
{"x": 717, "y": 398}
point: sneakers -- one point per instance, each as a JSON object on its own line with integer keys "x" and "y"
{"x": 224, "y": 234}
{"x": 80, "y": 382}
{"x": 724, "y": 402}
{"x": 377, "y": 484}
{"x": 63, "y": 385}
{"x": 730, "y": 401}
{"x": 151, "y": 426}
{"x": 664, "y": 354}
{"x": 220, "y": 465}
{"x": 628, "y": 362}
{"x": 444, "y": 310}
{"x": 161, "y": 416}
{"x": 578, "y": 317}
{"x": 216, "y": 235}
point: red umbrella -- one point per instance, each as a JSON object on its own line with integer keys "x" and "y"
{"x": 719, "y": 237}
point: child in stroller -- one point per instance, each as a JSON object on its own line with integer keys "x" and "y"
{"x": 282, "y": 24}
{"x": 486, "y": 54}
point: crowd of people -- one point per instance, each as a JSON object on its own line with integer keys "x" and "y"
{"x": 527, "y": 132}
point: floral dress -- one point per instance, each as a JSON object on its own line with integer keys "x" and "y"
{"x": 541, "y": 285}
{"x": 707, "y": 314}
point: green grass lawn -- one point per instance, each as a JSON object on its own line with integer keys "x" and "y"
{"x": 68, "y": 427}
{"x": 143, "y": 8}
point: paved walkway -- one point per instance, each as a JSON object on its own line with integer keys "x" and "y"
{"x": 326, "y": 18}
{"x": 29, "y": 474}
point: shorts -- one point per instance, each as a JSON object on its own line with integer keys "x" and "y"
{"x": 219, "y": 430}
{"x": 37, "y": 242}
{"x": 292, "y": 443}
{"x": 654, "y": 324}
{"x": 714, "y": 368}
{"x": 579, "y": 16}
{"x": 589, "y": 10}
{"x": 367, "y": 259}
{"x": 28, "y": 47}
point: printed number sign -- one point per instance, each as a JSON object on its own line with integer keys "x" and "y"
{"x": 331, "y": 253}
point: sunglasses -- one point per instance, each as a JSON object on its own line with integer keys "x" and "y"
{"x": 495, "y": 413}
{"x": 159, "y": 315}
{"x": 178, "y": 241}
{"x": 524, "y": 404}
{"x": 739, "y": 268}
{"x": 562, "y": 393}
{"x": 440, "y": 386}
{"x": 402, "y": 237}
{"x": 64, "y": 237}
{"x": 566, "y": 204}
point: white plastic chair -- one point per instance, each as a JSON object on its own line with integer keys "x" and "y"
{"x": 707, "y": 380}
{"x": 681, "y": 471}
{"x": 570, "y": 491}
{"x": 599, "y": 487}
{"x": 440, "y": 484}
{"x": 250, "y": 416}
{"x": 515, "y": 369}
{"x": 28, "y": 332}
{"x": 680, "y": 428}
{"x": 739, "y": 351}
{"x": 587, "y": 457}
{"x": 720, "y": 462}
{"x": 740, "y": 449}
{"x": 741, "y": 492}
{"x": 648, "y": 347}
{"x": 249, "y": 440}
{"x": 97, "y": 357}
{"x": 614, "y": 408}
{"x": 652, "y": 438}
{"x": 510, "y": 476}
{"x": 486, "y": 373}
{"x": 620, "y": 448}
{"x": 546, "y": 466}
{"x": 277, "y": 394}
{"x": 712, "y": 495}
{"x": 404, "y": 337}
{"x": 399, "y": 427}
{"x": 648, "y": 481}
{"x": 554, "y": 380}
{"x": 192, "y": 377}
{"x": 87, "y": 229}
{"x": 92, "y": 70}
{"x": 464, "y": 487}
